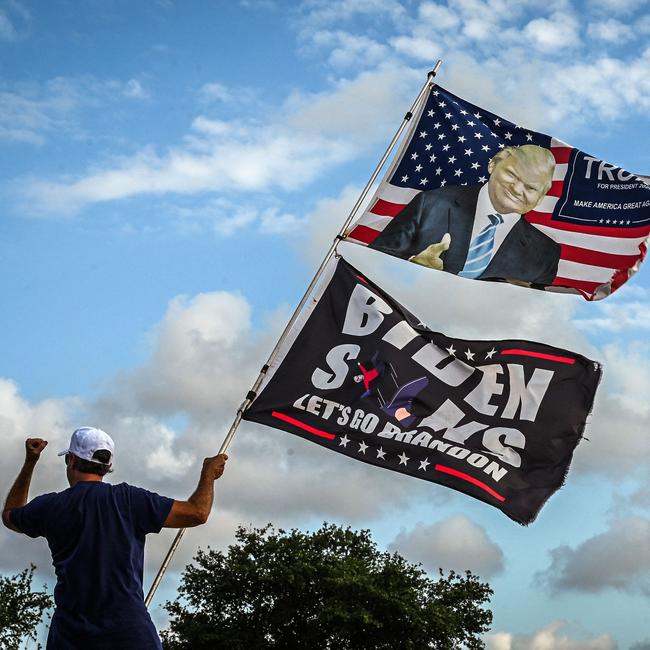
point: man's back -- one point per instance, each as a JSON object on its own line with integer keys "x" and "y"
{"x": 96, "y": 534}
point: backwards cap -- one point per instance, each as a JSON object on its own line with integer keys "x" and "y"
{"x": 85, "y": 441}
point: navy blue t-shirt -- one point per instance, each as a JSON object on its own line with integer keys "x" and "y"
{"x": 96, "y": 533}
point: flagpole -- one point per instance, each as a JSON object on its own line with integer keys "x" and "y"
{"x": 252, "y": 393}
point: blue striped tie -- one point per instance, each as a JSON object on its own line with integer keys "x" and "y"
{"x": 480, "y": 249}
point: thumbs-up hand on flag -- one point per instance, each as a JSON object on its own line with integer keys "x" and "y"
{"x": 430, "y": 256}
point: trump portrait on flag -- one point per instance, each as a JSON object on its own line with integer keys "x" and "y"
{"x": 476, "y": 195}
{"x": 477, "y": 231}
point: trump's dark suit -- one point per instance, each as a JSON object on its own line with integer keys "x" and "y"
{"x": 526, "y": 253}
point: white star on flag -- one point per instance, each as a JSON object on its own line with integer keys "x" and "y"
{"x": 403, "y": 459}
{"x": 424, "y": 464}
{"x": 381, "y": 453}
{"x": 344, "y": 441}
{"x": 362, "y": 447}
{"x": 469, "y": 354}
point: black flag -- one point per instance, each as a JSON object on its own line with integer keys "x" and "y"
{"x": 497, "y": 420}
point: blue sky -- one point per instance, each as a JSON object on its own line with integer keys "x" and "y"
{"x": 171, "y": 176}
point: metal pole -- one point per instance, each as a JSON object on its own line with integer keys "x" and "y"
{"x": 253, "y": 391}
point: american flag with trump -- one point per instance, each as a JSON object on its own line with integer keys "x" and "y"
{"x": 596, "y": 214}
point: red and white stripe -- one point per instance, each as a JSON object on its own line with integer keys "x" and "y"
{"x": 594, "y": 260}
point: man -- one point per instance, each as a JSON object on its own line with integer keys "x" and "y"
{"x": 477, "y": 231}
{"x": 96, "y": 533}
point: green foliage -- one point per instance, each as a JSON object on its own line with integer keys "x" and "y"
{"x": 328, "y": 589}
{"x": 21, "y": 609}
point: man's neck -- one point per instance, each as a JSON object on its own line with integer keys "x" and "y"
{"x": 77, "y": 477}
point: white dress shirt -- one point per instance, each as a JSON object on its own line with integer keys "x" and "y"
{"x": 484, "y": 208}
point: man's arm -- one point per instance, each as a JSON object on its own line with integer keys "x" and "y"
{"x": 399, "y": 237}
{"x": 19, "y": 492}
{"x": 196, "y": 510}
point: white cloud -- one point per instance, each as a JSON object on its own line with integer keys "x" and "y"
{"x": 621, "y": 406}
{"x": 23, "y": 119}
{"x": 610, "y": 31}
{"x": 313, "y": 133}
{"x": 455, "y": 544}
{"x": 133, "y": 88}
{"x": 273, "y": 221}
{"x": 222, "y": 156}
{"x": 627, "y": 376}
{"x": 266, "y": 157}
{"x": 607, "y": 85}
{"x": 323, "y": 12}
{"x": 438, "y": 16}
{"x": 479, "y": 40}
{"x": 553, "y": 35}
{"x": 7, "y": 30}
{"x": 201, "y": 343}
{"x": 350, "y": 50}
{"x": 619, "y": 558}
{"x": 616, "y": 6}
{"x": 343, "y": 111}
{"x": 549, "y": 637}
{"x": 32, "y": 113}
{"x": 19, "y": 419}
{"x": 215, "y": 92}
{"x": 259, "y": 4}
{"x": 318, "y": 132}
{"x": 163, "y": 458}
{"x": 618, "y": 316}
{"x": 238, "y": 219}
{"x": 225, "y": 217}
{"x": 419, "y": 47}
{"x": 325, "y": 221}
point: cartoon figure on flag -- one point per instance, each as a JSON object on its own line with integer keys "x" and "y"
{"x": 477, "y": 231}
{"x": 476, "y": 195}
{"x": 380, "y": 381}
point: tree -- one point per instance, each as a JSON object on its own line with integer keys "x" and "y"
{"x": 21, "y": 609}
{"x": 328, "y": 589}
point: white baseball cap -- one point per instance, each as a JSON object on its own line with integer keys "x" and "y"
{"x": 85, "y": 441}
